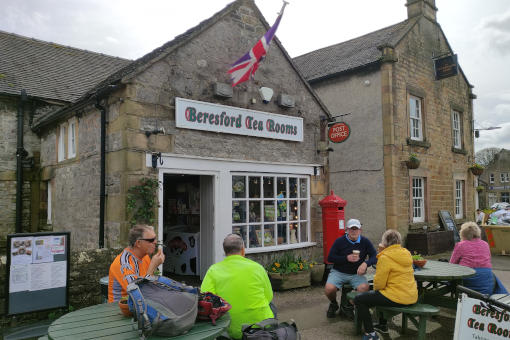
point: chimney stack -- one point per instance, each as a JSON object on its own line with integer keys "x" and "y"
{"x": 427, "y": 8}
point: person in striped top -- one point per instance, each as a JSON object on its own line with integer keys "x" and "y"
{"x": 134, "y": 261}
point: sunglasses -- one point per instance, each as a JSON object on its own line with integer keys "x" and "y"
{"x": 150, "y": 240}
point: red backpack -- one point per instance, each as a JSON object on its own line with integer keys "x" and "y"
{"x": 211, "y": 307}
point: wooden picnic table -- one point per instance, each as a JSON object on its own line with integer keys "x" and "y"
{"x": 437, "y": 282}
{"x": 105, "y": 321}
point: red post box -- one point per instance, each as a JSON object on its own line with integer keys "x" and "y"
{"x": 333, "y": 221}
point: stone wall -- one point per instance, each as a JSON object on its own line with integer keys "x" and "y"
{"x": 87, "y": 267}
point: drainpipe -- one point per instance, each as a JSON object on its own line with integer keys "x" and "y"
{"x": 20, "y": 154}
{"x": 102, "y": 191}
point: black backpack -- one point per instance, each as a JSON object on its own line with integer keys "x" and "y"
{"x": 271, "y": 329}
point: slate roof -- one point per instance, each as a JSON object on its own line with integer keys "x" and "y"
{"x": 351, "y": 54}
{"x": 51, "y": 71}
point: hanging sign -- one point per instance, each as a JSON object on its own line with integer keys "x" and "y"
{"x": 339, "y": 132}
{"x": 193, "y": 114}
{"x": 446, "y": 67}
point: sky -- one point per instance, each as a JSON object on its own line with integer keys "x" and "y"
{"x": 478, "y": 32}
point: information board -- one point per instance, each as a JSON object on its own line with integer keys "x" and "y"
{"x": 37, "y": 271}
{"x": 449, "y": 224}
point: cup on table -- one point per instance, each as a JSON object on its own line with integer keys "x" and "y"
{"x": 356, "y": 254}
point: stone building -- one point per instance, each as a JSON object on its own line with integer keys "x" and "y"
{"x": 52, "y": 76}
{"x": 383, "y": 86}
{"x": 495, "y": 180}
{"x": 226, "y": 159}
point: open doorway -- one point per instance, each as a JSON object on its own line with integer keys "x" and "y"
{"x": 188, "y": 219}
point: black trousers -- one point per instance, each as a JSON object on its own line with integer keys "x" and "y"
{"x": 364, "y": 301}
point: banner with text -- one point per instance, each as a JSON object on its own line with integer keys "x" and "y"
{"x": 477, "y": 320}
{"x": 192, "y": 114}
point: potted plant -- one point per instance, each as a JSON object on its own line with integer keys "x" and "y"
{"x": 317, "y": 271}
{"x": 123, "y": 305}
{"x": 476, "y": 169}
{"x": 418, "y": 260}
{"x": 289, "y": 272}
{"x": 479, "y": 188}
{"x": 413, "y": 162}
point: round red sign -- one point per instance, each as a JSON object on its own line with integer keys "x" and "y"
{"x": 339, "y": 132}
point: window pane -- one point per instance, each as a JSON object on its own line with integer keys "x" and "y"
{"x": 303, "y": 192}
{"x": 255, "y": 236}
{"x": 254, "y": 211}
{"x": 303, "y": 233}
{"x": 269, "y": 187}
{"x": 238, "y": 185}
{"x": 269, "y": 211}
{"x": 254, "y": 187}
{"x": 303, "y": 210}
{"x": 282, "y": 233}
{"x": 239, "y": 212}
{"x": 293, "y": 187}
{"x": 293, "y": 211}
{"x": 241, "y": 231}
{"x": 281, "y": 187}
{"x": 293, "y": 233}
{"x": 269, "y": 235}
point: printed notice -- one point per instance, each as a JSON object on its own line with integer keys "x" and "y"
{"x": 42, "y": 249}
{"x": 58, "y": 274}
{"x": 21, "y": 250}
{"x": 19, "y": 279}
{"x": 40, "y": 276}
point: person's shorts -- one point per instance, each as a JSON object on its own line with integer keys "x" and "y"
{"x": 339, "y": 279}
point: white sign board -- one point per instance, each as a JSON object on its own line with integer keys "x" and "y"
{"x": 192, "y": 114}
{"x": 475, "y": 320}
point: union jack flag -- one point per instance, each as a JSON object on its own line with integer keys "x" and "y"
{"x": 246, "y": 66}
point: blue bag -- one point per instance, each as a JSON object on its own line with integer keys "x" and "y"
{"x": 162, "y": 306}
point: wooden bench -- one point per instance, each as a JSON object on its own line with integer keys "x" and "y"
{"x": 417, "y": 313}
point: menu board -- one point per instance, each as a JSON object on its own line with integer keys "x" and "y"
{"x": 37, "y": 271}
{"x": 449, "y": 224}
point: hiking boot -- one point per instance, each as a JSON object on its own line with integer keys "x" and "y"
{"x": 381, "y": 328}
{"x": 333, "y": 307}
{"x": 348, "y": 312}
{"x": 370, "y": 337}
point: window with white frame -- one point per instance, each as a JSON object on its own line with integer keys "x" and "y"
{"x": 492, "y": 198}
{"x": 491, "y": 178}
{"x": 459, "y": 199}
{"x": 71, "y": 140}
{"x": 418, "y": 190}
{"x": 48, "y": 205}
{"x": 457, "y": 132}
{"x": 507, "y": 177}
{"x": 61, "y": 143}
{"x": 270, "y": 210}
{"x": 505, "y": 197}
{"x": 504, "y": 177}
{"x": 415, "y": 114}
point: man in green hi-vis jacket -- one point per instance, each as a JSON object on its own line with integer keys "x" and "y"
{"x": 241, "y": 282}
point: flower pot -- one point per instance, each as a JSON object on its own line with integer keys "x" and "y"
{"x": 413, "y": 163}
{"x": 419, "y": 263}
{"x": 317, "y": 272}
{"x": 281, "y": 281}
{"x": 124, "y": 308}
{"x": 476, "y": 171}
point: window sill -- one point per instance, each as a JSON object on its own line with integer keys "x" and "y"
{"x": 415, "y": 226}
{"x": 423, "y": 143}
{"x": 461, "y": 151}
{"x": 278, "y": 248}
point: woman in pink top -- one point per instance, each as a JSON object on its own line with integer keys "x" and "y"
{"x": 473, "y": 252}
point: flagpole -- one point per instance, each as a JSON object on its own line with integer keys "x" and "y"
{"x": 285, "y": 3}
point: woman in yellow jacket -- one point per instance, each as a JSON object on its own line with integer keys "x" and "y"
{"x": 394, "y": 284}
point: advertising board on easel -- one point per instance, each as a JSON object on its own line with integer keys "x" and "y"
{"x": 37, "y": 271}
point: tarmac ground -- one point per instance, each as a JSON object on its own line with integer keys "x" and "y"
{"x": 308, "y": 306}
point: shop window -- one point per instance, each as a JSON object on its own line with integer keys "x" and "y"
{"x": 418, "y": 190}
{"x": 416, "y": 121}
{"x": 456, "y": 130}
{"x": 505, "y": 197}
{"x": 459, "y": 199}
{"x": 270, "y": 210}
{"x": 491, "y": 178}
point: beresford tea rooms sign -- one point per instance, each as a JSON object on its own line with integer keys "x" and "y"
{"x": 192, "y": 114}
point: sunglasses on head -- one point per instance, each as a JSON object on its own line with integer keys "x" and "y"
{"x": 151, "y": 240}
